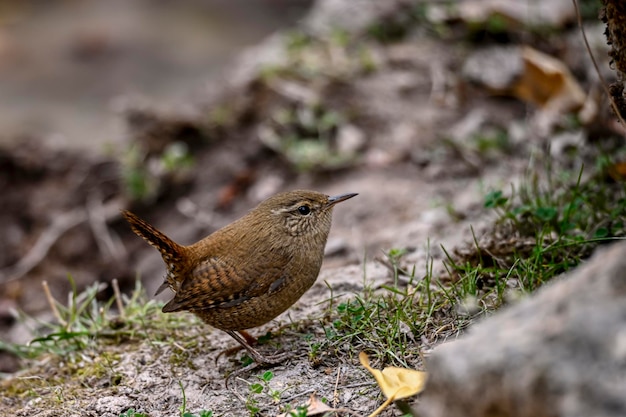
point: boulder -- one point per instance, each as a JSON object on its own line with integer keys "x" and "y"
{"x": 560, "y": 352}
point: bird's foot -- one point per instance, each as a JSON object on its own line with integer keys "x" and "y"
{"x": 246, "y": 341}
{"x": 250, "y": 340}
{"x": 269, "y": 360}
{"x": 258, "y": 358}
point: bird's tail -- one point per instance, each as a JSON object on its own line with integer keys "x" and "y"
{"x": 172, "y": 253}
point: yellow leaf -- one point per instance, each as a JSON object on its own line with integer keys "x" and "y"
{"x": 547, "y": 82}
{"x": 395, "y": 383}
{"x": 617, "y": 171}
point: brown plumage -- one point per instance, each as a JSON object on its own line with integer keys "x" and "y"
{"x": 250, "y": 271}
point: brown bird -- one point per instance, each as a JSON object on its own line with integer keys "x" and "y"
{"x": 250, "y": 271}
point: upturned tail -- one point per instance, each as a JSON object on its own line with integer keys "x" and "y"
{"x": 172, "y": 252}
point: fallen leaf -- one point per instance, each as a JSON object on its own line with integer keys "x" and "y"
{"x": 395, "y": 383}
{"x": 547, "y": 82}
{"x": 617, "y": 171}
{"x": 527, "y": 74}
{"x": 531, "y": 76}
{"x": 316, "y": 406}
{"x": 313, "y": 407}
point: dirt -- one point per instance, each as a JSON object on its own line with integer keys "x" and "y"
{"x": 419, "y": 186}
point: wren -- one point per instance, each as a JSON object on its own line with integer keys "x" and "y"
{"x": 252, "y": 270}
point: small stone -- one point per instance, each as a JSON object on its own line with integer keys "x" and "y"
{"x": 350, "y": 139}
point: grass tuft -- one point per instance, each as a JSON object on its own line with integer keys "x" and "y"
{"x": 545, "y": 227}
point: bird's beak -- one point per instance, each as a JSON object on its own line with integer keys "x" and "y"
{"x": 339, "y": 198}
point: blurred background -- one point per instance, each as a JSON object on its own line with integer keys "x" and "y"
{"x": 64, "y": 63}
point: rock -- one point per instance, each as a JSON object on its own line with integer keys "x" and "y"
{"x": 328, "y": 15}
{"x": 516, "y": 14}
{"x": 350, "y": 139}
{"x": 563, "y": 142}
{"x": 113, "y": 405}
{"x": 561, "y": 352}
{"x": 496, "y": 68}
{"x": 335, "y": 246}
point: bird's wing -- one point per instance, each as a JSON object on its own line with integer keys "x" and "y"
{"x": 216, "y": 283}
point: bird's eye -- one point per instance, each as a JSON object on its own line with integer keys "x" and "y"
{"x": 304, "y": 210}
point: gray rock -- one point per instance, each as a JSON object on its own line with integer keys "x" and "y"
{"x": 328, "y": 15}
{"x": 561, "y": 352}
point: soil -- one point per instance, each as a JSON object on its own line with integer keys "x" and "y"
{"x": 421, "y": 187}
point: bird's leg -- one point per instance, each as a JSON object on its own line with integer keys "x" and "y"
{"x": 249, "y": 338}
{"x": 256, "y": 356}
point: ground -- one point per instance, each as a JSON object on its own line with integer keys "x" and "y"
{"x": 398, "y": 122}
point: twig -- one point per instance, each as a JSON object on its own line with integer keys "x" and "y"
{"x": 47, "y": 239}
{"x": 360, "y": 384}
{"x": 235, "y": 392}
{"x": 393, "y": 269}
{"x": 300, "y": 394}
{"x": 52, "y": 303}
{"x": 60, "y": 225}
{"x": 438, "y": 82}
{"x": 595, "y": 65}
{"x": 336, "y": 393}
{"x": 98, "y": 216}
{"x": 118, "y": 297}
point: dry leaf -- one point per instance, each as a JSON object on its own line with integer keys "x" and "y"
{"x": 547, "y": 82}
{"x": 617, "y": 171}
{"x": 314, "y": 407}
{"x": 317, "y": 407}
{"x": 531, "y": 76}
{"x": 395, "y": 383}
